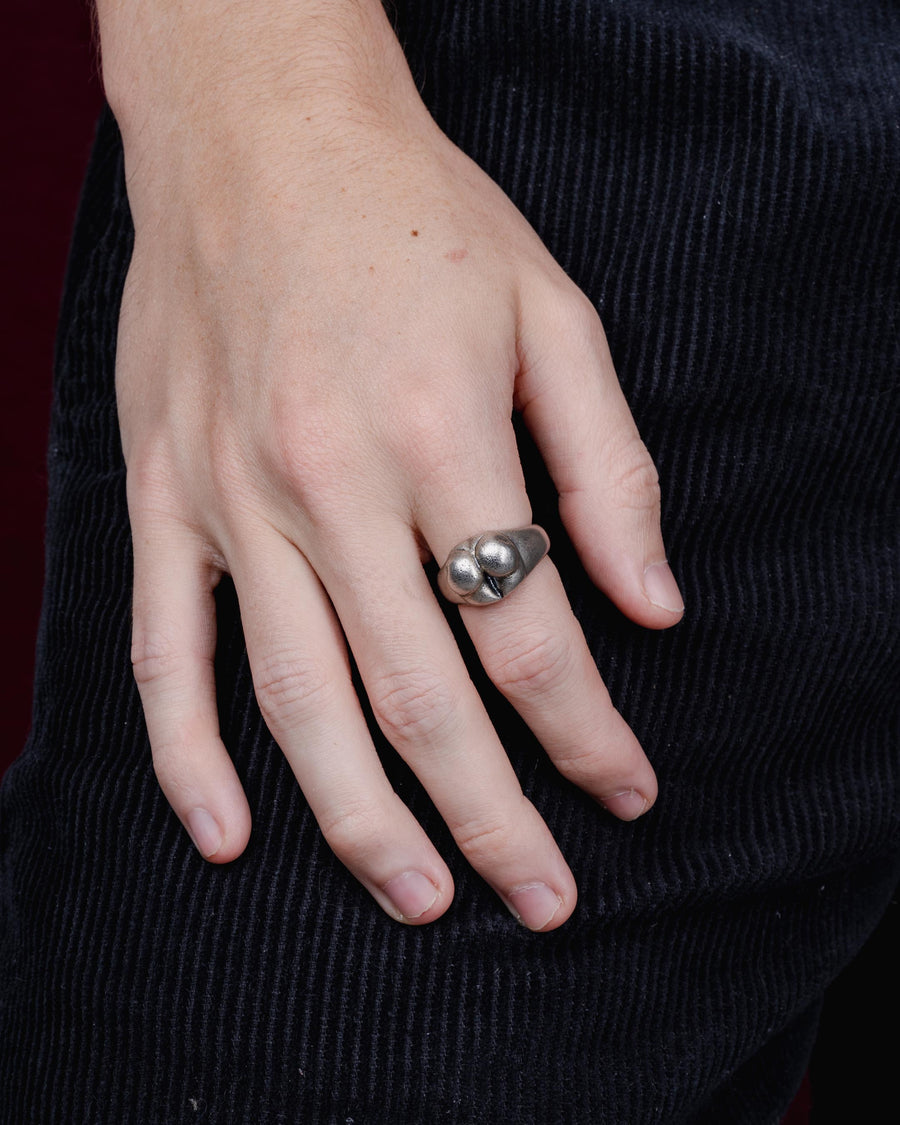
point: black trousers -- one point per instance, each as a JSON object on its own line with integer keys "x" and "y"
{"x": 723, "y": 180}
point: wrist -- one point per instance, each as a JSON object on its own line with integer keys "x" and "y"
{"x": 169, "y": 65}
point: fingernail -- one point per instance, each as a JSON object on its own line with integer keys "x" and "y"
{"x": 205, "y": 832}
{"x": 627, "y": 805}
{"x": 534, "y": 905}
{"x": 412, "y": 893}
{"x": 662, "y": 589}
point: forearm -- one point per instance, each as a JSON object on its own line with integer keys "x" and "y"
{"x": 167, "y": 62}
{"x": 207, "y": 94}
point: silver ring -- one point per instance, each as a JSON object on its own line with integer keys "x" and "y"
{"x": 485, "y": 568}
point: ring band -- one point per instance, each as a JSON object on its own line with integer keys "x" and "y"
{"x": 485, "y": 568}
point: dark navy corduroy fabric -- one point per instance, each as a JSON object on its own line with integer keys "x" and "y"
{"x": 723, "y": 180}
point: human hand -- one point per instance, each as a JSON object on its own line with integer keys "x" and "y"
{"x": 329, "y": 317}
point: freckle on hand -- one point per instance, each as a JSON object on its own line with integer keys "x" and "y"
{"x": 414, "y": 233}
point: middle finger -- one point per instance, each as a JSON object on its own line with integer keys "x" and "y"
{"x": 534, "y": 650}
{"x": 428, "y": 708}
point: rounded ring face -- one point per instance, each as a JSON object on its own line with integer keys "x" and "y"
{"x": 464, "y": 575}
{"x": 497, "y": 555}
{"x": 487, "y": 567}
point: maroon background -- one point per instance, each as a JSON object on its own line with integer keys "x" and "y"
{"x": 52, "y": 94}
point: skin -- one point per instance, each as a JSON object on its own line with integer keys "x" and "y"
{"x": 329, "y": 318}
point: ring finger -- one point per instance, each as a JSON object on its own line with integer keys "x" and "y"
{"x": 302, "y": 681}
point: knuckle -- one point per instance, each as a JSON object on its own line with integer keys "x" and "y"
{"x": 155, "y": 660}
{"x": 301, "y": 455}
{"x": 149, "y": 477}
{"x": 354, "y": 830}
{"x": 317, "y": 461}
{"x": 414, "y": 707}
{"x": 585, "y": 319}
{"x": 289, "y": 686}
{"x": 486, "y": 840}
{"x": 425, "y": 418}
{"x": 582, "y": 766}
{"x": 573, "y": 314}
{"x": 419, "y": 439}
{"x": 441, "y": 411}
{"x": 635, "y": 480}
{"x": 529, "y": 664}
{"x": 602, "y": 754}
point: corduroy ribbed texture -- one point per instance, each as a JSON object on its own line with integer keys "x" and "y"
{"x": 723, "y": 180}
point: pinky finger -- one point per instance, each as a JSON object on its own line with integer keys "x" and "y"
{"x": 173, "y": 649}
